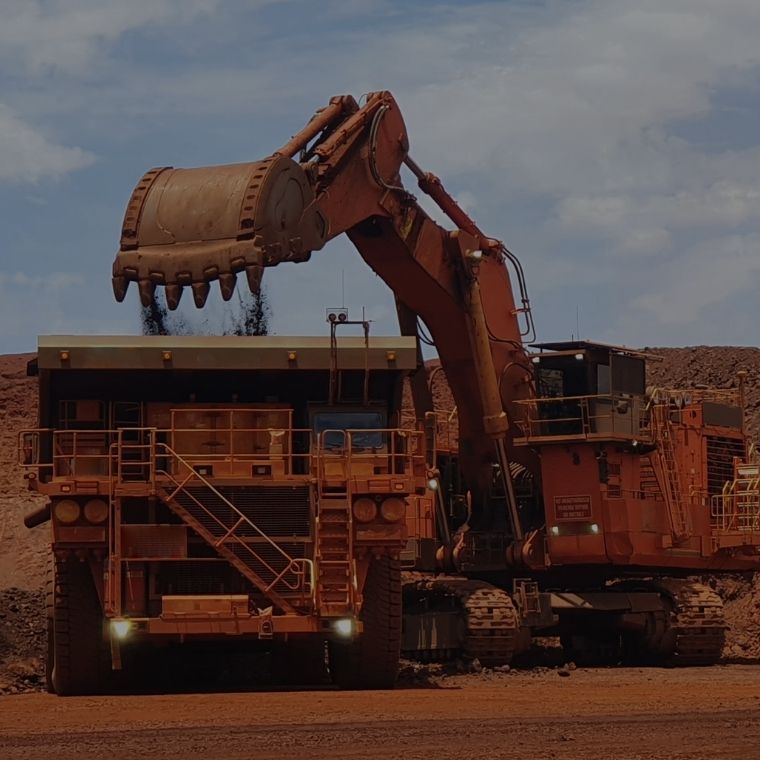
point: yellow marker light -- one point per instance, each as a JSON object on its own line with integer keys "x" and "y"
{"x": 96, "y": 511}
{"x": 393, "y": 509}
{"x": 65, "y": 356}
{"x": 365, "y": 510}
{"x": 121, "y": 628}
{"x": 391, "y": 356}
{"x": 292, "y": 356}
{"x": 67, "y": 511}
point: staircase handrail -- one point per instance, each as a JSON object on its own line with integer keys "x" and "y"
{"x": 194, "y": 474}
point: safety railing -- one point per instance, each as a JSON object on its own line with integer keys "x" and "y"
{"x": 397, "y": 451}
{"x": 235, "y": 452}
{"x": 131, "y": 454}
{"x": 227, "y": 438}
{"x": 736, "y": 511}
{"x": 296, "y": 573}
{"x": 65, "y": 453}
{"x": 737, "y": 508}
{"x": 682, "y": 397}
{"x": 582, "y": 416}
{"x": 87, "y": 453}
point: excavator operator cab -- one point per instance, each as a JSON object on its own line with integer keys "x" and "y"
{"x": 586, "y": 390}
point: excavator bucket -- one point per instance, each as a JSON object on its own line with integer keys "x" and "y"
{"x": 189, "y": 227}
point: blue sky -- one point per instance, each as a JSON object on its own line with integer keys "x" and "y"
{"x": 614, "y": 146}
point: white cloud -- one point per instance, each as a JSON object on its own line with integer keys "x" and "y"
{"x": 68, "y": 36}
{"x": 712, "y": 272}
{"x": 26, "y": 155}
{"x": 32, "y": 305}
{"x": 568, "y": 127}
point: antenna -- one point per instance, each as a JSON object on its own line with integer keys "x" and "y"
{"x": 343, "y": 288}
{"x": 578, "y": 321}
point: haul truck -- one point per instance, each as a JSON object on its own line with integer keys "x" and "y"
{"x": 208, "y": 488}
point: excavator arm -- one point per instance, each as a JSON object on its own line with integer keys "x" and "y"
{"x": 341, "y": 174}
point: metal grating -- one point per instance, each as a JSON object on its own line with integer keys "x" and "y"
{"x": 278, "y": 511}
{"x": 720, "y": 461}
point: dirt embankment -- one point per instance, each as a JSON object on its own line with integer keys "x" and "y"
{"x": 22, "y": 551}
{"x": 715, "y": 367}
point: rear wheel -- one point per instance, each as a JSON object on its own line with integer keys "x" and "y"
{"x": 371, "y": 660}
{"x": 81, "y": 656}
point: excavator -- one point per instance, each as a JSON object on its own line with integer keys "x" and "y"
{"x": 570, "y": 499}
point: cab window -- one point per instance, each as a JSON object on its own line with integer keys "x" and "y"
{"x": 356, "y": 421}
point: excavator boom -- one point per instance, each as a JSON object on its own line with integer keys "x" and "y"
{"x": 189, "y": 227}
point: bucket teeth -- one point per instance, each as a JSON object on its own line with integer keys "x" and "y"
{"x": 200, "y": 293}
{"x": 227, "y": 282}
{"x": 120, "y": 286}
{"x": 253, "y": 274}
{"x": 147, "y": 291}
{"x": 173, "y": 295}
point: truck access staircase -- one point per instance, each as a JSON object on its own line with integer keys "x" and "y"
{"x": 333, "y": 551}
{"x": 213, "y": 517}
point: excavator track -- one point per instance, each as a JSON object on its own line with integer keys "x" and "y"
{"x": 697, "y": 620}
{"x": 490, "y": 619}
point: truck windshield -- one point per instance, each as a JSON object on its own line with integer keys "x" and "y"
{"x": 355, "y": 421}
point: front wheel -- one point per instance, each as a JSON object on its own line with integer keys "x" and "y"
{"x": 371, "y": 660}
{"x": 50, "y": 625}
{"x": 81, "y": 656}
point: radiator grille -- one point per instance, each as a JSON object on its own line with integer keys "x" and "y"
{"x": 720, "y": 461}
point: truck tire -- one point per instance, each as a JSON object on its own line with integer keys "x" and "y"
{"x": 81, "y": 656}
{"x": 50, "y": 628}
{"x": 299, "y": 662}
{"x": 371, "y": 660}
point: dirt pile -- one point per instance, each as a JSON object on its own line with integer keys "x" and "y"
{"x": 715, "y": 367}
{"x": 22, "y": 551}
{"x": 22, "y": 641}
{"x": 741, "y": 599}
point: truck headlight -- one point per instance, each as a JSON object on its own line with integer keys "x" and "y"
{"x": 96, "y": 511}
{"x": 393, "y": 509}
{"x": 344, "y": 627}
{"x": 365, "y": 510}
{"x": 67, "y": 511}
{"x": 121, "y": 628}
